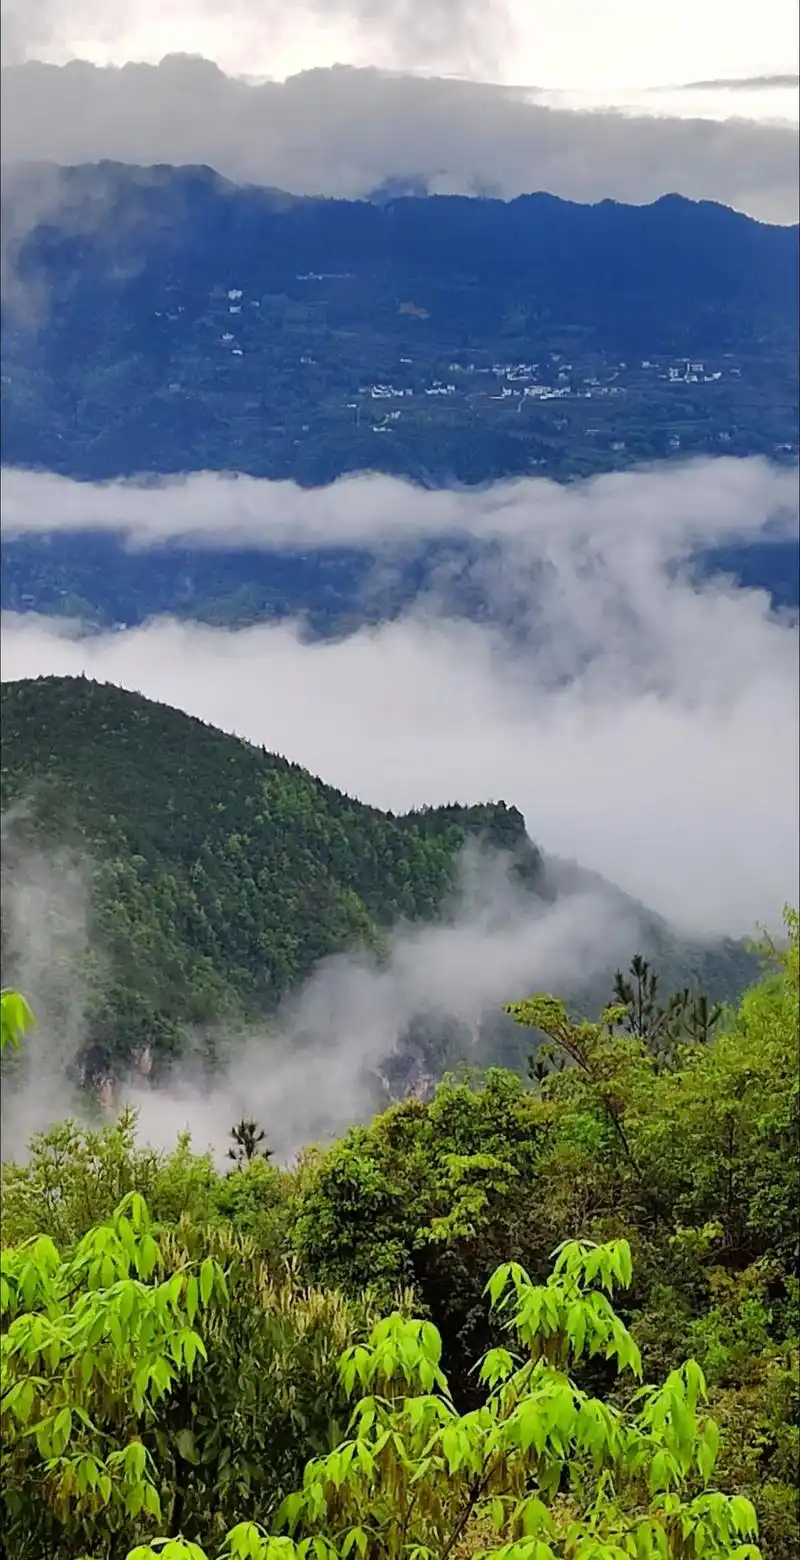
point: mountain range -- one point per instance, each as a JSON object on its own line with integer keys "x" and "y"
{"x": 164, "y": 320}
{"x": 179, "y": 322}
{"x": 197, "y": 882}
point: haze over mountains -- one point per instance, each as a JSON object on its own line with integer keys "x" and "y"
{"x": 191, "y": 324}
{"x": 478, "y": 480}
{"x": 399, "y": 778}
{"x": 347, "y": 132}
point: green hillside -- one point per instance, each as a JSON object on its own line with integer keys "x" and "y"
{"x": 220, "y": 874}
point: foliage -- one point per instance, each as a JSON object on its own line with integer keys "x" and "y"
{"x": 75, "y": 1176}
{"x": 239, "y": 1429}
{"x": 247, "y": 1140}
{"x": 662, "y": 1025}
{"x": 92, "y": 1341}
{"x": 695, "y": 1161}
{"x": 86, "y": 1343}
{"x": 554, "y": 1471}
{"x": 15, "y": 1018}
{"x": 428, "y": 1195}
{"x": 139, "y": 1396}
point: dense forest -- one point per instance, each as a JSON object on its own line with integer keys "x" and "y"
{"x": 218, "y": 876}
{"x": 542, "y": 1319}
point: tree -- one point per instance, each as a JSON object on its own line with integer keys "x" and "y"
{"x": 92, "y": 1342}
{"x": 662, "y": 1025}
{"x": 247, "y": 1135}
{"x": 554, "y": 1472}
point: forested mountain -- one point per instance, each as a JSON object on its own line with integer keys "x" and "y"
{"x": 220, "y": 875}
{"x": 162, "y": 320}
{"x": 171, "y": 321}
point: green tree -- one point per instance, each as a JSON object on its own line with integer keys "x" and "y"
{"x": 91, "y": 1343}
{"x": 556, "y": 1473}
{"x": 247, "y": 1140}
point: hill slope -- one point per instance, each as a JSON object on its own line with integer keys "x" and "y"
{"x": 220, "y": 875}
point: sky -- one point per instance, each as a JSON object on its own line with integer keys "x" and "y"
{"x": 608, "y": 47}
{"x": 344, "y": 132}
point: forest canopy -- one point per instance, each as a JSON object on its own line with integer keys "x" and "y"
{"x": 544, "y": 1318}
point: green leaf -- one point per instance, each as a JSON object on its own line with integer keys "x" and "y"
{"x": 185, "y": 1443}
{"x": 152, "y": 1504}
{"x": 744, "y": 1515}
{"x": 192, "y": 1298}
{"x": 576, "y": 1328}
{"x": 206, "y": 1280}
{"x": 707, "y": 1450}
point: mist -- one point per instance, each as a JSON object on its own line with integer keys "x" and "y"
{"x": 662, "y": 510}
{"x": 326, "y": 1060}
{"x": 642, "y": 718}
{"x": 321, "y": 1062}
{"x": 46, "y": 912}
{"x": 348, "y": 132}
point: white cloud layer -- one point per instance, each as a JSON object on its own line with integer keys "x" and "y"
{"x": 662, "y": 509}
{"x": 591, "y": 45}
{"x": 644, "y": 723}
{"x": 344, "y": 132}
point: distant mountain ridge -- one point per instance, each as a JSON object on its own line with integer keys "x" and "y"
{"x": 221, "y": 875}
{"x": 164, "y": 320}
{"x": 193, "y": 324}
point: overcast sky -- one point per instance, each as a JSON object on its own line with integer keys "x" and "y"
{"x": 646, "y": 725}
{"x": 611, "y": 47}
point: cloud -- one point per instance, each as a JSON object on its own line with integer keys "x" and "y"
{"x": 578, "y": 44}
{"x": 332, "y": 1043}
{"x": 771, "y": 83}
{"x": 345, "y": 132}
{"x": 455, "y": 34}
{"x": 644, "y": 722}
{"x": 685, "y": 504}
